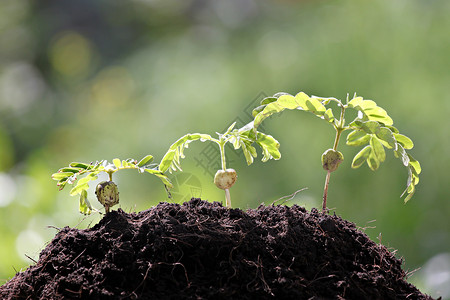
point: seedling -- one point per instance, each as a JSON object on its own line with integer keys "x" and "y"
{"x": 372, "y": 127}
{"x": 106, "y": 191}
{"x": 242, "y": 138}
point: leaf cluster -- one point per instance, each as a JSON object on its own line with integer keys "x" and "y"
{"x": 75, "y": 171}
{"x": 243, "y": 138}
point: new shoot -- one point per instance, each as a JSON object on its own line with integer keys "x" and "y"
{"x": 242, "y": 138}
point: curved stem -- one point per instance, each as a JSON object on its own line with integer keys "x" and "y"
{"x": 325, "y": 193}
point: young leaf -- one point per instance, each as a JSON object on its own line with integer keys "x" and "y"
{"x": 355, "y": 102}
{"x": 85, "y": 206}
{"x": 145, "y": 161}
{"x": 415, "y": 165}
{"x": 80, "y": 165}
{"x": 268, "y": 100}
{"x": 372, "y": 161}
{"x": 61, "y": 175}
{"x": 386, "y": 137}
{"x": 328, "y": 116}
{"x": 83, "y": 184}
{"x": 378, "y": 149}
{"x": 357, "y": 138}
{"x": 361, "y": 157}
{"x": 269, "y": 145}
{"x": 371, "y": 127}
{"x": 315, "y": 106}
{"x": 117, "y": 163}
{"x": 404, "y": 141}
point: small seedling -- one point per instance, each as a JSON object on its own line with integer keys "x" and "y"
{"x": 107, "y": 192}
{"x": 372, "y": 127}
{"x": 242, "y": 138}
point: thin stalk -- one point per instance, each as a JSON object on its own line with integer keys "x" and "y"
{"x": 224, "y": 167}
{"x": 222, "y": 155}
{"x": 325, "y": 193}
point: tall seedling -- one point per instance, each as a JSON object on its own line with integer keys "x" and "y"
{"x": 372, "y": 128}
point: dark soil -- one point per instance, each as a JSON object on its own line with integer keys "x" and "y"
{"x": 201, "y": 250}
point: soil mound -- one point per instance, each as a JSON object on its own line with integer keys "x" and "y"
{"x": 201, "y": 250}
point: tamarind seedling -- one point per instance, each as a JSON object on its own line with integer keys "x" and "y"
{"x": 107, "y": 191}
{"x": 372, "y": 127}
{"x": 242, "y": 138}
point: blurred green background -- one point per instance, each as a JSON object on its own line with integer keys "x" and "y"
{"x": 89, "y": 80}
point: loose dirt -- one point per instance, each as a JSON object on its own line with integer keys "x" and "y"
{"x": 201, "y": 250}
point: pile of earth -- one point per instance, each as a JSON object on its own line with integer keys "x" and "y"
{"x": 201, "y": 250}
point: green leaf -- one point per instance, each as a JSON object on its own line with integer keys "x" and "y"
{"x": 357, "y": 138}
{"x": 61, "y": 175}
{"x": 268, "y": 100}
{"x": 257, "y": 110}
{"x": 300, "y": 99}
{"x": 117, "y": 163}
{"x": 378, "y": 149}
{"x": 145, "y": 161}
{"x": 371, "y": 127}
{"x": 386, "y": 136}
{"x": 315, "y": 106}
{"x": 328, "y": 116}
{"x": 83, "y": 184}
{"x": 367, "y": 104}
{"x": 71, "y": 170}
{"x": 373, "y": 161}
{"x": 415, "y": 165}
{"x": 269, "y": 145}
{"x": 405, "y": 141}
{"x": 355, "y": 102}
{"x": 376, "y": 113}
{"x": 288, "y": 101}
{"x": 85, "y": 206}
{"x": 80, "y": 165}
{"x": 361, "y": 157}
{"x": 247, "y": 153}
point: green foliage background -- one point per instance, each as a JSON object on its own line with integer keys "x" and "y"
{"x": 85, "y": 81}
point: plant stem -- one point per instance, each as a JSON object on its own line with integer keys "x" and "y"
{"x": 222, "y": 155}
{"x": 339, "y": 129}
{"x": 224, "y": 167}
{"x": 227, "y": 198}
{"x": 325, "y": 193}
